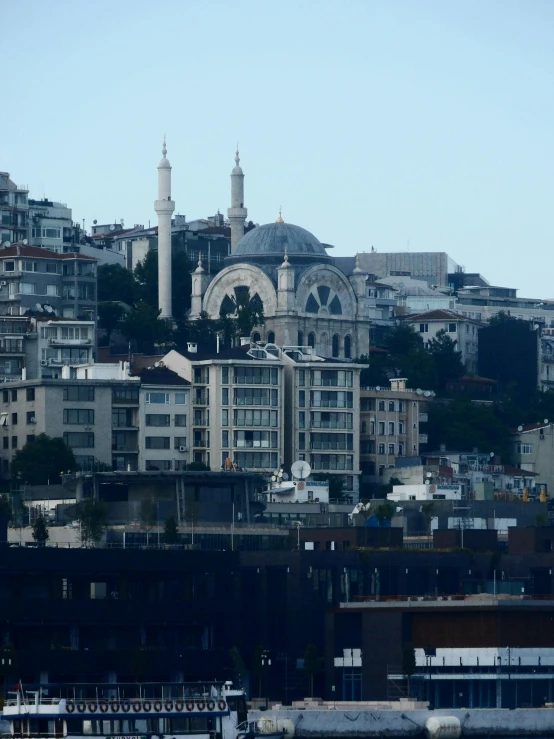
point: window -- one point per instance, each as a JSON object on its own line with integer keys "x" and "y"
{"x": 27, "y": 288}
{"x": 331, "y": 399}
{"x": 302, "y": 440}
{"x": 179, "y": 441}
{"x": 364, "y": 427}
{"x": 9, "y": 266}
{"x": 160, "y": 465}
{"x": 381, "y": 431}
{"x": 401, "y": 427}
{"x": 335, "y": 345}
{"x": 524, "y": 448}
{"x": 29, "y": 438}
{"x": 256, "y": 376}
{"x": 53, "y": 291}
{"x": 401, "y": 450}
{"x": 391, "y": 449}
{"x": 400, "y": 405}
{"x": 224, "y": 439}
{"x": 157, "y": 398}
{"x": 391, "y": 405}
{"x": 14, "y": 419}
{"x": 14, "y": 395}
{"x": 331, "y": 461}
{"x": 83, "y": 416}
{"x": 5, "y": 442}
{"x": 451, "y": 328}
{"x": 125, "y": 395}
{"x": 14, "y": 442}
{"x": 225, "y": 375}
{"x": 180, "y": 419}
{"x": 224, "y": 396}
{"x": 381, "y": 405}
{"x": 157, "y": 419}
{"x": 254, "y": 417}
{"x": 157, "y": 442}
{"x": 30, "y": 393}
{"x": 256, "y": 460}
{"x": 347, "y": 347}
{"x": 300, "y": 338}
{"x": 74, "y": 439}
{"x": 256, "y": 336}
{"x": 301, "y": 378}
{"x": 85, "y": 291}
{"x": 255, "y": 439}
{"x": 301, "y": 398}
{"x": 224, "y": 416}
{"x": 31, "y": 417}
{"x": 255, "y": 396}
{"x": 381, "y": 448}
{"x": 331, "y": 378}
{"x": 6, "y": 396}
{"x": 180, "y": 398}
{"x": 84, "y": 394}
{"x": 391, "y": 429}
{"x": 311, "y": 340}
{"x": 301, "y": 419}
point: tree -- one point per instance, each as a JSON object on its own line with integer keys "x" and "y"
{"x": 40, "y": 531}
{"x": 409, "y": 665}
{"x": 403, "y": 339}
{"x": 146, "y": 279}
{"x": 246, "y": 311}
{"x": 115, "y": 283}
{"x": 336, "y": 484}
{"x": 42, "y": 461}
{"x": 143, "y": 326}
{"x": 427, "y": 510}
{"x": 447, "y": 360}
{"x": 384, "y": 512}
{"x": 6, "y": 510}
{"x": 148, "y": 513}
{"x": 109, "y": 316}
{"x": 198, "y": 467}
{"x": 171, "y": 532}
{"x": 313, "y": 664}
{"x": 92, "y": 517}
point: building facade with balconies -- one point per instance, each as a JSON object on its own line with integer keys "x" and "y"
{"x": 36, "y": 280}
{"x": 14, "y": 211}
{"x": 52, "y": 227}
{"x": 390, "y": 421}
{"x": 237, "y": 406}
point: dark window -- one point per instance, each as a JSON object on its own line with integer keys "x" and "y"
{"x": 347, "y": 347}
{"x": 14, "y": 442}
{"x": 271, "y": 337}
{"x": 14, "y": 394}
{"x": 84, "y": 394}
{"x": 300, "y": 338}
{"x": 5, "y": 442}
{"x": 336, "y": 345}
{"x": 14, "y": 419}
{"x": 311, "y": 340}
{"x": 30, "y": 393}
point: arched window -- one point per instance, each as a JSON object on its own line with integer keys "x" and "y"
{"x": 336, "y": 345}
{"x": 323, "y": 346}
{"x": 311, "y": 340}
{"x": 270, "y": 337}
{"x": 255, "y": 336}
{"x": 347, "y": 347}
{"x": 300, "y": 338}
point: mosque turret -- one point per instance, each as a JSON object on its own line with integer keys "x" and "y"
{"x": 237, "y": 212}
{"x": 358, "y": 279}
{"x": 164, "y": 207}
{"x": 200, "y": 281}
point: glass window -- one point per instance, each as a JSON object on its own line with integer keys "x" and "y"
{"x": 30, "y": 393}
{"x": 391, "y": 405}
{"x": 301, "y": 398}
{"x": 224, "y": 439}
{"x": 224, "y": 396}
{"x": 157, "y": 442}
{"x": 347, "y": 347}
{"x": 301, "y": 377}
{"x": 9, "y": 266}
{"x": 224, "y": 416}
{"x": 179, "y": 441}
{"x": 157, "y": 398}
{"x": 85, "y": 394}
{"x": 75, "y": 439}
{"x": 14, "y": 419}
{"x": 381, "y": 405}
{"x": 83, "y": 416}
{"x": 381, "y": 428}
{"x": 14, "y": 395}
{"x": 14, "y": 442}
{"x": 180, "y": 419}
{"x": 301, "y": 419}
{"x": 391, "y": 428}
{"x": 125, "y": 395}
{"x": 225, "y": 375}
{"x": 391, "y": 449}
{"x": 158, "y": 419}
{"x": 180, "y": 398}
{"x": 31, "y": 417}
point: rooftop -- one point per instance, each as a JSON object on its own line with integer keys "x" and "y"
{"x": 24, "y": 250}
{"x": 161, "y": 376}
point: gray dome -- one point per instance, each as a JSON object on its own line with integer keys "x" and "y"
{"x": 273, "y": 238}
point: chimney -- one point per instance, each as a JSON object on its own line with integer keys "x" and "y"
{"x": 397, "y": 384}
{"x": 192, "y": 348}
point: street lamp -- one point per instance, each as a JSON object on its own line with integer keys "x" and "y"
{"x": 266, "y": 664}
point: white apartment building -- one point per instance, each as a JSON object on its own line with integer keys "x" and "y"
{"x": 461, "y": 329}
{"x": 237, "y": 406}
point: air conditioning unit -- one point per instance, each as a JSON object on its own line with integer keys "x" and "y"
{"x": 43, "y": 362}
{"x": 182, "y": 449}
{"x": 32, "y": 419}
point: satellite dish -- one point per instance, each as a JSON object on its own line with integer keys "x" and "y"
{"x": 520, "y": 428}
{"x": 285, "y": 476}
{"x": 427, "y": 393}
{"x": 546, "y": 420}
{"x": 156, "y": 364}
{"x": 419, "y": 391}
{"x": 7, "y": 243}
{"x": 95, "y": 221}
{"x": 378, "y": 387}
{"x": 38, "y": 306}
{"x": 112, "y": 227}
{"x": 273, "y": 478}
{"x": 301, "y": 470}
{"x": 25, "y": 242}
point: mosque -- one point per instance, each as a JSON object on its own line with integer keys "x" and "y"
{"x": 307, "y": 300}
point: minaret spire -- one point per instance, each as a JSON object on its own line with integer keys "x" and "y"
{"x": 164, "y": 207}
{"x": 237, "y": 212}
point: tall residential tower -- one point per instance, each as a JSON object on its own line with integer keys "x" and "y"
{"x": 164, "y": 207}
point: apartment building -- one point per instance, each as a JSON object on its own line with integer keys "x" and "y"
{"x": 461, "y": 329}
{"x": 35, "y": 279}
{"x": 14, "y": 211}
{"x": 322, "y": 415}
{"x": 52, "y": 227}
{"x": 237, "y": 406}
{"x": 390, "y": 421}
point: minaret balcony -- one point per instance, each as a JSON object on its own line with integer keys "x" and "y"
{"x": 164, "y": 207}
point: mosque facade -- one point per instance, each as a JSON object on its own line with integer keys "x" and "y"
{"x": 307, "y": 300}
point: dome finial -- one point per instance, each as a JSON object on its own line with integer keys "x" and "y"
{"x": 357, "y": 269}
{"x": 280, "y": 217}
{"x": 164, "y": 148}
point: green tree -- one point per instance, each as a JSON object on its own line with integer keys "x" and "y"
{"x": 500, "y": 317}
{"x": 42, "y": 460}
{"x": 92, "y": 517}
{"x": 143, "y": 326}
{"x": 40, "y": 531}
{"x": 313, "y": 664}
{"x": 403, "y": 339}
{"x": 6, "y": 510}
{"x": 427, "y": 510}
{"x": 146, "y": 277}
{"x": 148, "y": 513}
{"x": 409, "y": 665}
{"x": 447, "y": 360}
{"x": 336, "y": 484}
{"x": 110, "y": 315}
{"x": 197, "y": 467}
{"x": 171, "y": 531}
{"x": 115, "y": 283}
{"x": 247, "y": 312}
{"x": 384, "y": 512}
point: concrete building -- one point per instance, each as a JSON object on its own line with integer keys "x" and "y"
{"x": 464, "y": 331}
{"x": 237, "y": 406}
{"x": 52, "y": 226}
{"x": 533, "y": 450}
{"x": 432, "y": 267}
{"x": 390, "y": 421}
{"x": 322, "y": 398}
{"x": 37, "y": 280}
{"x": 14, "y": 211}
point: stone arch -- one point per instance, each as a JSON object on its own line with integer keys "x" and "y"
{"x": 335, "y": 346}
{"x": 240, "y": 276}
{"x": 323, "y": 344}
{"x": 311, "y": 339}
{"x": 256, "y": 336}
{"x": 300, "y": 338}
{"x": 348, "y": 347}
{"x": 324, "y": 290}
{"x": 270, "y": 338}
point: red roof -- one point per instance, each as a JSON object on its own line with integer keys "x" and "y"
{"x": 475, "y": 378}
{"x": 517, "y": 471}
{"x": 530, "y": 427}
{"x": 24, "y": 250}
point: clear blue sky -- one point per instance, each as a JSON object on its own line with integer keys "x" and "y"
{"x": 372, "y": 122}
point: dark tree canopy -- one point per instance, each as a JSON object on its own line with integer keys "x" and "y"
{"x": 42, "y": 460}
{"x": 115, "y": 283}
{"x": 40, "y": 531}
{"x": 92, "y": 517}
{"x": 146, "y": 277}
{"x": 143, "y": 326}
{"x": 110, "y": 315}
{"x": 447, "y": 359}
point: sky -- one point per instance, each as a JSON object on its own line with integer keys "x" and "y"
{"x": 415, "y": 125}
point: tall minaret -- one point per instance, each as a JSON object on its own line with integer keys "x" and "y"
{"x": 164, "y": 207}
{"x": 237, "y": 212}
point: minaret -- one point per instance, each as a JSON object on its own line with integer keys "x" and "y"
{"x": 237, "y": 212}
{"x": 164, "y": 207}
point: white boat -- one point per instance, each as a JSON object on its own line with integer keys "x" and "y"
{"x": 213, "y": 710}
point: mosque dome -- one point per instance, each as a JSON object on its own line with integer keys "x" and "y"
{"x": 274, "y": 239}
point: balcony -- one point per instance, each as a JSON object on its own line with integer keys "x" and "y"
{"x": 12, "y": 350}
{"x": 200, "y": 444}
{"x": 124, "y": 426}
{"x": 201, "y": 399}
{"x": 341, "y": 446}
{"x": 127, "y": 448}
{"x": 69, "y": 342}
